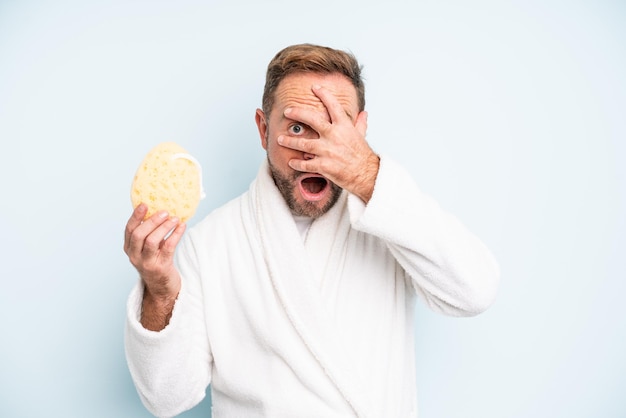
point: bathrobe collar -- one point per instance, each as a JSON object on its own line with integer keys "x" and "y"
{"x": 298, "y": 271}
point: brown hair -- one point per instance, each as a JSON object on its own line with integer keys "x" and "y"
{"x": 310, "y": 58}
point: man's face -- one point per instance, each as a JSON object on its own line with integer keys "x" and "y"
{"x": 306, "y": 194}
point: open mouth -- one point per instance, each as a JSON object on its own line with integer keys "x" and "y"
{"x": 313, "y": 187}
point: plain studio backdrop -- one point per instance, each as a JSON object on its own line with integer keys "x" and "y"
{"x": 512, "y": 114}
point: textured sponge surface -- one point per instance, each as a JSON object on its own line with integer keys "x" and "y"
{"x": 168, "y": 179}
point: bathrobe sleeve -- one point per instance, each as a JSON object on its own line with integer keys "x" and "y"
{"x": 450, "y": 268}
{"x": 170, "y": 368}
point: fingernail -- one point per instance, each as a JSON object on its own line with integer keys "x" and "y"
{"x": 316, "y": 87}
{"x": 174, "y": 219}
{"x": 162, "y": 214}
{"x": 287, "y": 111}
{"x": 280, "y": 139}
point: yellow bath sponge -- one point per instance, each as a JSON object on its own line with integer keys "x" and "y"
{"x": 168, "y": 179}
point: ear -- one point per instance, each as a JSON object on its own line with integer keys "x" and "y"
{"x": 261, "y": 124}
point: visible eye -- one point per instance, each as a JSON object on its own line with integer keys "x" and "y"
{"x": 296, "y": 129}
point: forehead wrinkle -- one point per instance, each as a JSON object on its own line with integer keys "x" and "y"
{"x": 295, "y": 90}
{"x": 295, "y": 96}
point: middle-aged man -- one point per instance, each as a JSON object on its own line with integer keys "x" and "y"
{"x": 296, "y": 299}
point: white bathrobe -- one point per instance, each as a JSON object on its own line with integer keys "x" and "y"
{"x": 321, "y": 327}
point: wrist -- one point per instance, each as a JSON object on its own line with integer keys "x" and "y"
{"x": 368, "y": 177}
{"x": 157, "y": 307}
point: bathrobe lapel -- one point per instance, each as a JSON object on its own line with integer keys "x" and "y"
{"x": 298, "y": 272}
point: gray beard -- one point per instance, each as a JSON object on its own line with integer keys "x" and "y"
{"x": 287, "y": 186}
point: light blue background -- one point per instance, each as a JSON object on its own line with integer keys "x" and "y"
{"x": 511, "y": 113}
